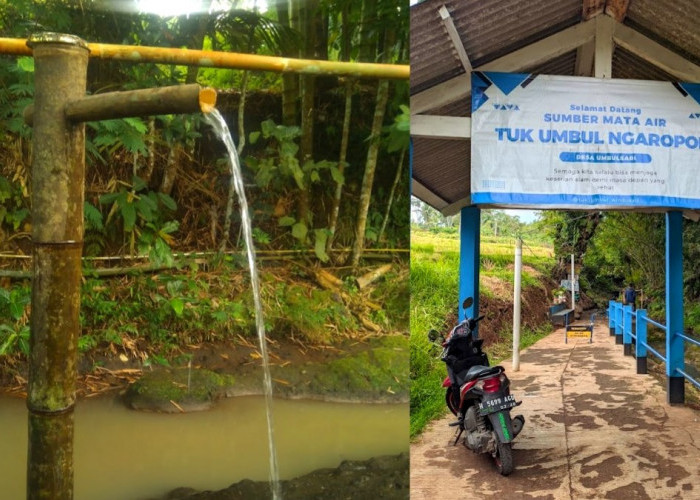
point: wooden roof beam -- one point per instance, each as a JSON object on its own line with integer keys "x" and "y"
{"x": 441, "y": 127}
{"x": 456, "y": 40}
{"x": 604, "y": 46}
{"x": 426, "y": 195}
{"x": 655, "y": 53}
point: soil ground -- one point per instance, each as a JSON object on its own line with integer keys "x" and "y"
{"x": 103, "y": 373}
{"x": 594, "y": 429}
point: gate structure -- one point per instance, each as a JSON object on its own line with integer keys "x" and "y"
{"x": 479, "y": 141}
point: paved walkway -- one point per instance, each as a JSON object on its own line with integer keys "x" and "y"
{"x": 594, "y": 429}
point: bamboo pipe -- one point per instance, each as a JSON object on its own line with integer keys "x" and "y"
{"x": 176, "y": 99}
{"x": 232, "y": 60}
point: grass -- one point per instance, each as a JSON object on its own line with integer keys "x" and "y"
{"x": 434, "y": 285}
{"x": 156, "y": 314}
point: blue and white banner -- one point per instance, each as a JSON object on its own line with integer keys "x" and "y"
{"x": 541, "y": 141}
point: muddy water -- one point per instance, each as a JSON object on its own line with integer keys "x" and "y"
{"x": 123, "y": 454}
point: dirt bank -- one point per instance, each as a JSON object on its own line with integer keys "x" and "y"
{"x": 380, "y": 477}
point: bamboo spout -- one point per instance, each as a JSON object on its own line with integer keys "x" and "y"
{"x": 176, "y": 99}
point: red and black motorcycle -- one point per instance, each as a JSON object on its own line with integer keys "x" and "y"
{"x": 479, "y": 395}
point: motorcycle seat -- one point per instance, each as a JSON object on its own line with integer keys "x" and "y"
{"x": 479, "y": 371}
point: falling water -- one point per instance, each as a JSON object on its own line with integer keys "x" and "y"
{"x": 218, "y": 123}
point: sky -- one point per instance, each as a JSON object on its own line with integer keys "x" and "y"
{"x": 525, "y": 216}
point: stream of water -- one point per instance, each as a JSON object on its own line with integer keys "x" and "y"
{"x": 217, "y": 122}
{"x": 125, "y": 454}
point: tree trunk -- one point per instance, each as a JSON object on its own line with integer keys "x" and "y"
{"x": 166, "y": 186}
{"x": 391, "y": 194}
{"x": 310, "y": 22}
{"x": 368, "y": 41}
{"x": 372, "y": 155}
{"x": 290, "y": 81}
{"x": 345, "y": 55}
{"x": 370, "y": 167}
{"x": 335, "y": 210}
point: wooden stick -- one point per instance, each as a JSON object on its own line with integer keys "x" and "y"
{"x": 371, "y": 276}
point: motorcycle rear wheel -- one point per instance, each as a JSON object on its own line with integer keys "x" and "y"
{"x": 504, "y": 458}
{"x": 450, "y": 401}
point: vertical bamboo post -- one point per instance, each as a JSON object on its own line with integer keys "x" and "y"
{"x": 517, "y": 289}
{"x": 58, "y": 171}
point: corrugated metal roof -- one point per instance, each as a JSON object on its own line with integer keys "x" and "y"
{"x": 487, "y": 30}
{"x": 446, "y": 173}
{"x": 672, "y": 23}
{"x": 628, "y": 65}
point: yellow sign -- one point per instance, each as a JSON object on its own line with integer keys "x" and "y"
{"x": 578, "y": 334}
{"x": 579, "y": 331}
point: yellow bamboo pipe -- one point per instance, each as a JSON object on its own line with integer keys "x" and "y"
{"x": 232, "y": 60}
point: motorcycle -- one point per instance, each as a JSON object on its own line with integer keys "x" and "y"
{"x": 478, "y": 394}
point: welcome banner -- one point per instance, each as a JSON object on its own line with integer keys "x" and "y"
{"x": 541, "y": 141}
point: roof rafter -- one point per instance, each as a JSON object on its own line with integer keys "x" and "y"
{"x": 456, "y": 40}
{"x": 604, "y": 46}
{"x": 441, "y": 127}
{"x": 424, "y": 194}
{"x": 655, "y": 53}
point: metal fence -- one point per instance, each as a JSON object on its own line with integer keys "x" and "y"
{"x": 630, "y": 327}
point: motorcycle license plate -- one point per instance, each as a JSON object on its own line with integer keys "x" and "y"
{"x": 497, "y": 404}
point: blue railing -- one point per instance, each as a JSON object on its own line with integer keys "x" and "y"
{"x": 627, "y": 324}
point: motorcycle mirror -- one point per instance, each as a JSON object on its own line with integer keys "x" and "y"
{"x": 433, "y": 335}
{"x": 467, "y": 302}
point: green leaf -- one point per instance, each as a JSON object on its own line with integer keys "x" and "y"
{"x": 178, "y": 306}
{"x": 315, "y": 177}
{"x": 299, "y": 231}
{"x": 298, "y": 175}
{"x": 170, "y": 227}
{"x": 108, "y": 198}
{"x": 337, "y": 175}
{"x": 253, "y": 137}
{"x": 16, "y": 310}
{"x": 26, "y": 64}
{"x": 145, "y": 208}
{"x": 267, "y": 127}
{"x": 93, "y": 217}
{"x": 128, "y": 211}
{"x": 286, "y": 221}
{"x": 138, "y": 183}
{"x": 167, "y": 201}
{"x": 320, "y": 244}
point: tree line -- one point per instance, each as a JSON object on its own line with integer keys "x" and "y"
{"x": 327, "y": 167}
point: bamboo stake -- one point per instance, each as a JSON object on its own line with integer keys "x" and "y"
{"x": 233, "y": 60}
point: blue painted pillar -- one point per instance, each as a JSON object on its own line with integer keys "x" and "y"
{"x": 627, "y": 330}
{"x": 674, "y": 308}
{"x": 469, "y": 237}
{"x": 611, "y": 317}
{"x": 618, "y": 324}
{"x": 641, "y": 344}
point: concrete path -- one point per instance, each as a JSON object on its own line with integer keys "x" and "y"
{"x": 594, "y": 429}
